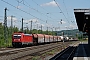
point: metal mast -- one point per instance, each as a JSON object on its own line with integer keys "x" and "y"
{"x": 41, "y": 29}
{"x": 5, "y": 26}
{"x": 12, "y": 24}
{"x": 22, "y": 24}
{"x": 31, "y": 27}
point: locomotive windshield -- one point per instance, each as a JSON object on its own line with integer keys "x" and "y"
{"x": 16, "y": 36}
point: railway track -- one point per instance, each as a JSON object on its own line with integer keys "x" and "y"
{"x": 66, "y": 54}
{"x": 21, "y": 52}
{"x": 38, "y": 53}
{"x": 28, "y": 52}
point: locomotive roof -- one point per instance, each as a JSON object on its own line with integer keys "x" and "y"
{"x": 28, "y": 34}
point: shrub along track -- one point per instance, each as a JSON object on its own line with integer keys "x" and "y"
{"x": 29, "y": 52}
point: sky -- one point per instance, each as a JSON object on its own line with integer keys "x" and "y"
{"x": 55, "y": 14}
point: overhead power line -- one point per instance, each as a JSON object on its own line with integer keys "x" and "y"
{"x": 33, "y": 8}
{"x": 39, "y": 5}
{"x": 22, "y": 10}
{"x": 61, "y": 11}
{"x": 20, "y": 1}
{"x": 66, "y": 8}
{"x": 44, "y": 8}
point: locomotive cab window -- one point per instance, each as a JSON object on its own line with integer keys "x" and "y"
{"x": 16, "y": 36}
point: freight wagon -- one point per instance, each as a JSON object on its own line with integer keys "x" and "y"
{"x": 20, "y": 39}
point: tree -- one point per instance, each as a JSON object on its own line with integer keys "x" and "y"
{"x": 1, "y": 31}
{"x": 15, "y": 29}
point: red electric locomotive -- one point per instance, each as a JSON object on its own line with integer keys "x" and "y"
{"x": 20, "y": 39}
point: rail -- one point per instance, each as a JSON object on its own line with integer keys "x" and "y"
{"x": 66, "y": 54}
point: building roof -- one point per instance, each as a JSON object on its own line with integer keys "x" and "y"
{"x": 82, "y": 16}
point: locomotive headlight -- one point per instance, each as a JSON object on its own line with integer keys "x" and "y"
{"x": 16, "y": 39}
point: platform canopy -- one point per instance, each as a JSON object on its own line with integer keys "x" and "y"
{"x": 83, "y": 19}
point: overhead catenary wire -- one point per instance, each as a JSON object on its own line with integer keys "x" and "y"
{"x": 39, "y": 5}
{"x": 23, "y": 2}
{"x": 22, "y": 10}
{"x": 44, "y": 8}
{"x": 17, "y": 14}
{"x": 33, "y": 8}
{"x": 66, "y": 8}
{"x": 10, "y": 12}
{"x": 67, "y": 11}
{"x": 20, "y": 1}
{"x": 61, "y": 11}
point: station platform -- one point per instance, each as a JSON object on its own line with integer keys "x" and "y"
{"x": 82, "y": 52}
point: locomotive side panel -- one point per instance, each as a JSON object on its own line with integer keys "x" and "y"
{"x": 27, "y": 39}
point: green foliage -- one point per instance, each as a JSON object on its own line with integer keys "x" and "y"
{"x": 36, "y": 58}
{"x": 34, "y": 31}
{"x": 15, "y": 29}
{"x": 3, "y": 43}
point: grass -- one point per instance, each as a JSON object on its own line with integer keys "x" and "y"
{"x": 36, "y": 58}
{"x": 85, "y": 40}
{"x": 43, "y": 55}
{"x": 51, "y": 52}
{"x": 3, "y": 43}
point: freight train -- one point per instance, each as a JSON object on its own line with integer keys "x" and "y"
{"x": 21, "y": 39}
